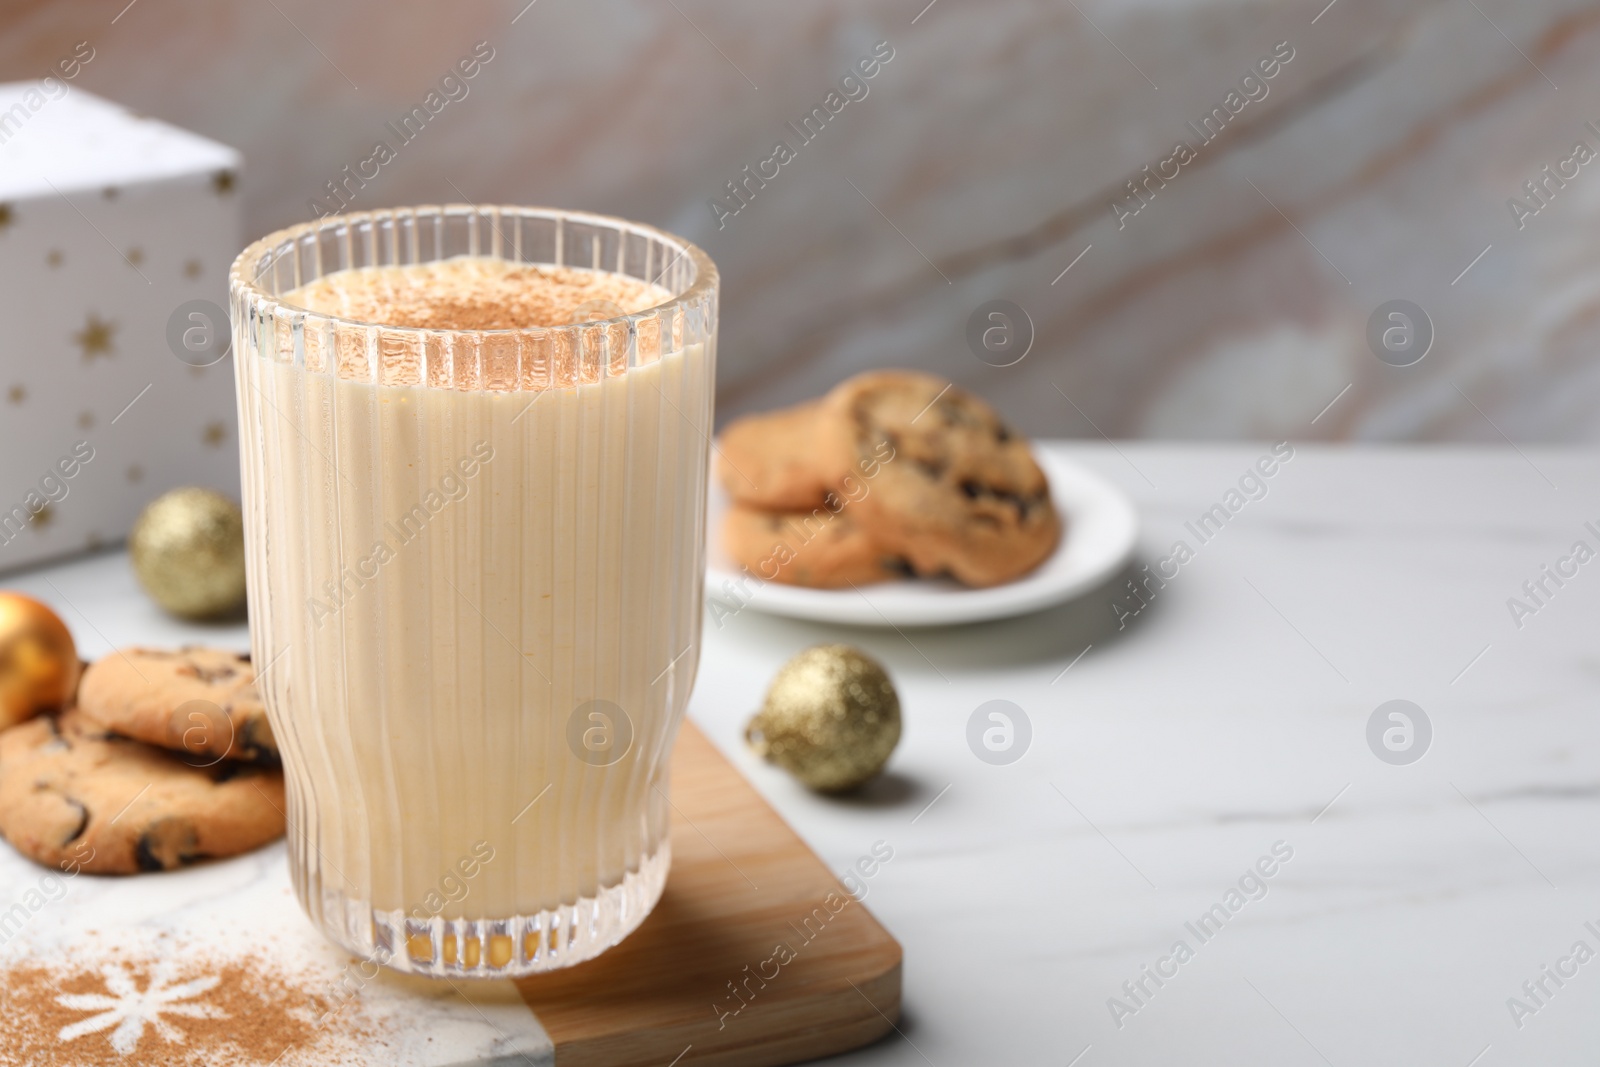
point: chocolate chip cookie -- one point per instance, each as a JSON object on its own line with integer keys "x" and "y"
{"x": 772, "y": 460}
{"x": 75, "y": 797}
{"x": 202, "y": 701}
{"x": 820, "y": 548}
{"x": 962, "y": 494}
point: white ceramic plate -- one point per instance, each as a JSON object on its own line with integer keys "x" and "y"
{"x": 1101, "y": 529}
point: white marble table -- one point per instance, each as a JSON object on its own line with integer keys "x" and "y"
{"x": 1228, "y": 715}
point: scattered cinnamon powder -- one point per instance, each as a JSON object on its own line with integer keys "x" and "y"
{"x": 188, "y": 1012}
{"x": 475, "y": 293}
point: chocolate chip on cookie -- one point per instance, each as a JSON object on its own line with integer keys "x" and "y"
{"x": 75, "y": 797}
{"x": 822, "y": 548}
{"x": 773, "y": 461}
{"x": 956, "y": 491}
{"x": 202, "y": 701}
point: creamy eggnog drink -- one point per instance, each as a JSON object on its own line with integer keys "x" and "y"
{"x": 475, "y": 454}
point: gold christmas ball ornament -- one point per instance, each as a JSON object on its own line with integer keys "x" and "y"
{"x": 188, "y": 552}
{"x": 38, "y": 660}
{"x": 831, "y": 718}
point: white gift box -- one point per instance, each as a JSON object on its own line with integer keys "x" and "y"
{"x": 116, "y": 233}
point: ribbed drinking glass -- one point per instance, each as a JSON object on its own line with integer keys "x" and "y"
{"x": 476, "y": 561}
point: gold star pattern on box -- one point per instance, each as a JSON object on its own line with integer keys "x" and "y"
{"x": 95, "y": 338}
{"x": 101, "y": 352}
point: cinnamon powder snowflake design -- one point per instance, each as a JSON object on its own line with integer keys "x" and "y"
{"x": 129, "y": 1009}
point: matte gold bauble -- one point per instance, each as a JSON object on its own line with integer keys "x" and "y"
{"x": 188, "y": 551}
{"x": 831, "y": 718}
{"x": 38, "y": 660}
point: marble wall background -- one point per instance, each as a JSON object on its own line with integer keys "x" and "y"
{"x": 983, "y": 161}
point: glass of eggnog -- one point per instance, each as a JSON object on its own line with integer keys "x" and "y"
{"x": 474, "y": 461}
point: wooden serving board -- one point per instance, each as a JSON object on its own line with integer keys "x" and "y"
{"x": 254, "y": 984}
{"x": 742, "y": 884}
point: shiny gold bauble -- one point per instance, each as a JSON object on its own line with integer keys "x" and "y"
{"x": 831, "y": 718}
{"x": 38, "y": 661}
{"x": 188, "y": 552}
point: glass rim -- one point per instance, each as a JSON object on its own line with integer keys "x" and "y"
{"x": 266, "y": 250}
